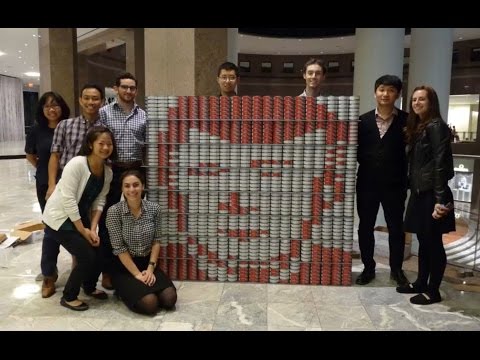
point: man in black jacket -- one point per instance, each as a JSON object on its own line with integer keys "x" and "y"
{"x": 382, "y": 178}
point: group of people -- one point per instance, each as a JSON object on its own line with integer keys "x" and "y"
{"x": 313, "y": 72}
{"x": 84, "y": 164}
{"x": 396, "y": 151}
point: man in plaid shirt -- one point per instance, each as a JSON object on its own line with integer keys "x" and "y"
{"x": 128, "y": 123}
{"x": 67, "y": 141}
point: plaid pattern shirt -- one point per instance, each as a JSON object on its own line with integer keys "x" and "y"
{"x": 129, "y": 130}
{"x": 384, "y": 124}
{"x": 68, "y": 138}
{"x": 133, "y": 235}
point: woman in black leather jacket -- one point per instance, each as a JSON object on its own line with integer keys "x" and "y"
{"x": 429, "y": 212}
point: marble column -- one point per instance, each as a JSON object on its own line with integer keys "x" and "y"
{"x": 58, "y": 64}
{"x": 431, "y": 63}
{"x": 135, "y": 60}
{"x": 377, "y": 52}
{"x": 183, "y": 61}
{"x": 232, "y": 43}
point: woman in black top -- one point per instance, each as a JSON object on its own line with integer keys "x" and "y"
{"x": 51, "y": 109}
{"x": 429, "y": 212}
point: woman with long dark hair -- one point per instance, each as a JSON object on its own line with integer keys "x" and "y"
{"x": 72, "y": 213}
{"x": 134, "y": 228}
{"x": 429, "y": 212}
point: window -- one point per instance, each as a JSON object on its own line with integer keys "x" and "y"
{"x": 455, "y": 53}
{"x": 288, "y": 67}
{"x": 475, "y": 54}
{"x": 245, "y": 66}
{"x": 333, "y": 66}
{"x": 266, "y": 67}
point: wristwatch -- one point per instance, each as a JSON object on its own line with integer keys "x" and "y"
{"x": 152, "y": 263}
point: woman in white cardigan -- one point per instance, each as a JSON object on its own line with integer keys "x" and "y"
{"x": 72, "y": 212}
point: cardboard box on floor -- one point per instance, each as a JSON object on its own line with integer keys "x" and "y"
{"x": 27, "y": 229}
{"x": 31, "y": 225}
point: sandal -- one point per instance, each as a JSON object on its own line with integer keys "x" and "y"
{"x": 82, "y": 307}
{"x": 97, "y": 294}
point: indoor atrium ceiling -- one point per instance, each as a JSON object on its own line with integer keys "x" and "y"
{"x": 20, "y": 45}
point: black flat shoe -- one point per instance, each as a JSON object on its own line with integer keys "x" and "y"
{"x": 82, "y": 307}
{"x": 399, "y": 277}
{"x": 410, "y": 289}
{"x": 365, "y": 277}
{"x": 100, "y": 295}
{"x": 425, "y": 299}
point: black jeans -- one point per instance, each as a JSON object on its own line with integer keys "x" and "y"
{"x": 393, "y": 203}
{"x": 41, "y": 193}
{"x": 88, "y": 262}
{"x": 50, "y": 248}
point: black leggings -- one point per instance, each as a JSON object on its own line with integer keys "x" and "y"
{"x": 432, "y": 259}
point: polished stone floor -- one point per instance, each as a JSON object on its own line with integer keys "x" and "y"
{"x": 207, "y": 306}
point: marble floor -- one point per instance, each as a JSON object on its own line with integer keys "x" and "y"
{"x": 207, "y": 306}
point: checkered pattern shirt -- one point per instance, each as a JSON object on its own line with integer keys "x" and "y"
{"x": 384, "y": 124}
{"x": 68, "y": 138}
{"x": 129, "y": 130}
{"x": 133, "y": 235}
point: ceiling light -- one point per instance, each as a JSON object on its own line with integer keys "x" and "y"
{"x": 2, "y": 53}
{"x": 32, "y": 73}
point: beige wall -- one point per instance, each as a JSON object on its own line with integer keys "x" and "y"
{"x": 183, "y": 61}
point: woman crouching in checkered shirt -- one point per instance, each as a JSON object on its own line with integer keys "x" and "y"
{"x": 134, "y": 228}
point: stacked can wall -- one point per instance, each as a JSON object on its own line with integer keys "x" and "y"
{"x": 254, "y": 189}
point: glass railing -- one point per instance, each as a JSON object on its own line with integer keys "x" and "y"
{"x": 464, "y": 136}
{"x": 462, "y": 246}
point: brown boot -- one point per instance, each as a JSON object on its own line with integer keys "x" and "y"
{"x": 48, "y": 286}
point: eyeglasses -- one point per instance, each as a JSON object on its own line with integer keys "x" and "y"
{"x": 126, "y": 87}
{"x": 51, "y": 106}
{"x": 228, "y": 78}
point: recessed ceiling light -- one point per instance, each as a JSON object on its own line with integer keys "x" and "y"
{"x": 19, "y": 51}
{"x": 34, "y": 35}
{"x": 26, "y": 44}
{"x": 460, "y": 38}
{"x": 32, "y": 73}
{"x": 2, "y": 53}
